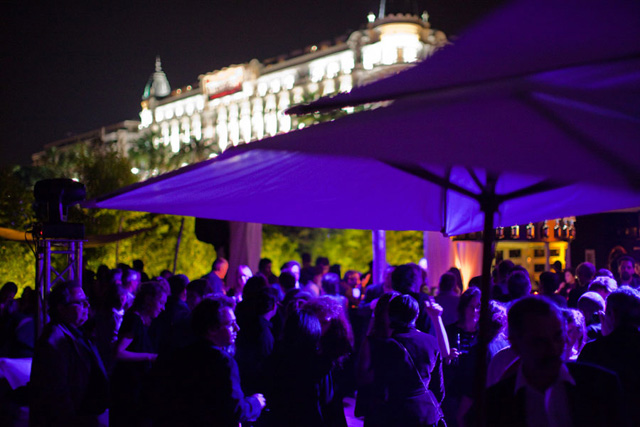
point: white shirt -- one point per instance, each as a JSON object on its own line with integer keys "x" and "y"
{"x": 551, "y": 407}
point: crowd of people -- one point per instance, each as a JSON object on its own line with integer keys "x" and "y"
{"x": 286, "y": 350}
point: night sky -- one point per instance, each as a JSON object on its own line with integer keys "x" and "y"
{"x": 68, "y": 67}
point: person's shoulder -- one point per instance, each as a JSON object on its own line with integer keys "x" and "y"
{"x": 589, "y": 375}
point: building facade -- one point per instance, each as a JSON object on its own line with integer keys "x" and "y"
{"x": 246, "y": 102}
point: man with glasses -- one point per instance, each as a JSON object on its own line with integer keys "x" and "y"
{"x": 69, "y": 384}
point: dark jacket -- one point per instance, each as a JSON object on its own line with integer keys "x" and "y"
{"x": 68, "y": 381}
{"x": 200, "y": 386}
{"x": 595, "y": 399}
{"x": 410, "y": 401}
{"x": 619, "y": 352}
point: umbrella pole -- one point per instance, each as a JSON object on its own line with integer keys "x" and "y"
{"x": 489, "y": 205}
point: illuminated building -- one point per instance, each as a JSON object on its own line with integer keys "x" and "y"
{"x": 246, "y": 102}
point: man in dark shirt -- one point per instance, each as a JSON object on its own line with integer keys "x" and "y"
{"x": 68, "y": 381}
{"x": 201, "y": 383}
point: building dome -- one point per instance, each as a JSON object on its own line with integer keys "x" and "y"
{"x": 157, "y": 86}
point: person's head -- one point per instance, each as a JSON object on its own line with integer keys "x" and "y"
{"x": 214, "y": 320}
{"x": 585, "y": 273}
{"x": 403, "y": 312}
{"x": 264, "y": 302}
{"x": 576, "y": 332}
{"x": 387, "y": 283}
{"x": 115, "y": 296}
{"x": 178, "y": 285}
{"x": 569, "y": 277}
{"x": 504, "y": 268}
{"x": 292, "y": 267}
{"x": 331, "y": 284}
{"x": 380, "y": 326}
{"x": 406, "y": 278}
{"x": 301, "y": 333}
{"x": 306, "y": 259}
{"x": 220, "y": 267}
{"x": 623, "y": 310}
{"x": 458, "y": 276}
{"x": 469, "y": 308}
{"x": 352, "y": 278}
{"x": 294, "y": 299}
{"x": 625, "y": 268}
{"x": 326, "y": 308}
{"x": 475, "y": 282}
{"x": 264, "y": 266}
{"x": 323, "y": 262}
{"x": 537, "y": 333}
{"x": 150, "y": 299}
{"x": 254, "y": 285}
{"x": 131, "y": 280}
{"x": 115, "y": 276}
{"x": 557, "y": 267}
{"x": 8, "y": 292}
{"x": 447, "y": 284}
{"x": 165, "y": 274}
{"x": 68, "y": 304}
{"x": 138, "y": 265}
{"x": 244, "y": 274}
{"x": 590, "y": 304}
{"x": 603, "y": 285}
{"x": 603, "y": 272}
{"x": 287, "y": 281}
{"x": 195, "y": 292}
{"x": 335, "y": 268}
{"x": 549, "y": 283}
{"x": 518, "y": 284}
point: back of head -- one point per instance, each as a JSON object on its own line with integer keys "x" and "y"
{"x": 138, "y": 265}
{"x": 603, "y": 272}
{"x": 219, "y": 264}
{"x": 263, "y": 263}
{"x": 533, "y": 305}
{"x": 504, "y": 268}
{"x": 148, "y": 291}
{"x": 518, "y": 284}
{"x": 624, "y": 305}
{"x": 380, "y": 322}
{"x": 403, "y": 311}
{"x": 406, "y": 278}
{"x": 331, "y": 284}
{"x": 287, "y": 281}
{"x": 178, "y": 284}
{"x": 8, "y": 291}
{"x": 287, "y": 266}
{"x": 207, "y": 315}
{"x": 590, "y": 303}
{"x": 301, "y": 334}
{"x": 198, "y": 287}
{"x": 60, "y": 295}
{"x": 447, "y": 282}
{"x": 585, "y": 273}
{"x": 254, "y": 285}
{"x": 322, "y": 261}
{"x": 549, "y": 282}
{"x": 604, "y": 284}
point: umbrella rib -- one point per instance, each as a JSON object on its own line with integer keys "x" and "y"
{"x": 434, "y": 178}
{"x": 475, "y": 178}
{"x": 539, "y": 187}
{"x": 627, "y": 170}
